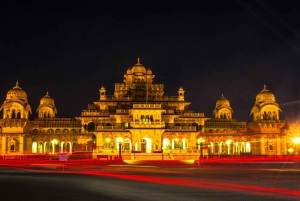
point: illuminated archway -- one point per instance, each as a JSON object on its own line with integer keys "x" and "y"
{"x": 166, "y": 145}
{"x": 146, "y": 145}
{"x": 248, "y": 147}
{"x": 40, "y": 147}
{"x": 127, "y": 144}
{"x": 118, "y": 141}
{"x": 34, "y": 147}
{"x": 54, "y": 146}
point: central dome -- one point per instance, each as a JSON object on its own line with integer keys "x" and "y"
{"x": 16, "y": 93}
{"x": 265, "y": 95}
{"x": 138, "y": 68}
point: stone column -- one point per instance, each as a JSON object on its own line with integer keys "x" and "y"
{"x": 99, "y": 141}
{"x": 21, "y": 147}
{"x": 278, "y": 145}
{"x": 262, "y": 145}
{"x": 4, "y": 141}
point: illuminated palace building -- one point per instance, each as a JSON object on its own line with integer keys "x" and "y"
{"x": 139, "y": 122}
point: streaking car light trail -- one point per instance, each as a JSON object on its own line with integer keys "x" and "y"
{"x": 222, "y": 186}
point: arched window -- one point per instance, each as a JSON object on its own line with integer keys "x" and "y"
{"x": 18, "y": 115}
{"x": 196, "y": 125}
{"x": 13, "y": 114}
{"x": 91, "y": 126}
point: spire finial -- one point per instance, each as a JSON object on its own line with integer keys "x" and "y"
{"x": 138, "y": 60}
{"x": 17, "y": 85}
{"x": 222, "y": 95}
{"x": 47, "y": 94}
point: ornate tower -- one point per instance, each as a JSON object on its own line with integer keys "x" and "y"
{"x": 222, "y": 109}
{"x": 102, "y": 93}
{"x": 16, "y": 105}
{"x": 46, "y": 108}
{"x": 266, "y": 113}
{"x": 181, "y": 94}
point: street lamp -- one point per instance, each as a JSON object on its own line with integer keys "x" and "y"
{"x": 200, "y": 142}
{"x": 296, "y": 142}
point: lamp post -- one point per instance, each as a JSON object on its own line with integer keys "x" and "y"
{"x": 120, "y": 151}
{"x": 201, "y": 141}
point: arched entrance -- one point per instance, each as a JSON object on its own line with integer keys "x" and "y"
{"x": 127, "y": 145}
{"x": 146, "y": 145}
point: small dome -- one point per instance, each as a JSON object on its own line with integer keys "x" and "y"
{"x": 149, "y": 71}
{"x": 265, "y": 95}
{"x": 129, "y": 71}
{"x": 138, "y": 68}
{"x": 16, "y": 93}
{"x": 222, "y": 102}
{"x": 47, "y": 100}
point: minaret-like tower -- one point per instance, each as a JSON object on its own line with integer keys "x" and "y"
{"x": 102, "y": 93}
{"x": 266, "y": 113}
{"x": 222, "y": 109}
{"x": 16, "y": 105}
{"x": 47, "y": 107}
{"x": 181, "y": 94}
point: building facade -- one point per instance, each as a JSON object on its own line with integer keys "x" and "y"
{"x": 140, "y": 122}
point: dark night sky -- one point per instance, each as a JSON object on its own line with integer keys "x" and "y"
{"x": 71, "y": 48}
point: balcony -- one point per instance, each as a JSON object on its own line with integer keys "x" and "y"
{"x": 92, "y": 113}
{"x": 122, "y": 111}
{"x": 113, "y": 98}
{"x": 154, "y": 124}
{"x": 192, "y": 115}
{"x": 182, "y": 128}
{"x": 166, "y": 98}
{"x": 101, "y": 128}
{"x": 142, "y": 105}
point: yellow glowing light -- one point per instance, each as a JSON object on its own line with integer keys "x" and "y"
{"x": 296, "y": 140}
{"x": 228, "y": 141}
{"x": 200, "y": 140}
{"x": 290, "y": 150}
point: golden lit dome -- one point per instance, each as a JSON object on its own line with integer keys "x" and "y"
{"x": 16, "y": 93}
{"x": 47, "y": 100}
{"x": 149, "y": 71}
{"x": 265, "y": 95}
{"x": 138, "y": 68}
{"x": 222, "y": 102}
{"x": 129, "y": 71}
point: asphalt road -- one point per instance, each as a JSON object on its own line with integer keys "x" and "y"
{"x": 148, "y": 181}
